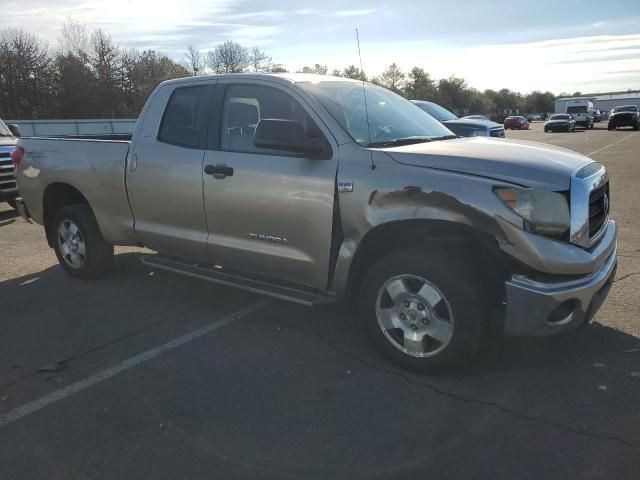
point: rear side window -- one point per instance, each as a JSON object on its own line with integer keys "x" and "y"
{"x": 183, "y": 120}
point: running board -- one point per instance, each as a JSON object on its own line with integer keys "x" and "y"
{"x": 219, "y": 275}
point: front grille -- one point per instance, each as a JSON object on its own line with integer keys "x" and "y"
{"x": 598, "y": 209}
{"x": 496, "y": 132}
{"x": 7, "y": 178}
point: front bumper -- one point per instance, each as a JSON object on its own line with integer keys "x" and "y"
{"x": 536, "y": 308}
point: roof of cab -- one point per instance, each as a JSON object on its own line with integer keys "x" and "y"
{"x": 285, "y": 78}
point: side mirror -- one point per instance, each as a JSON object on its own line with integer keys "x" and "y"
{"x": 15, "y": 130}
{"x": 288, "y": 135}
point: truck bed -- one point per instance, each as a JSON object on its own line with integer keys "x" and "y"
{"x": 95, "y": 168}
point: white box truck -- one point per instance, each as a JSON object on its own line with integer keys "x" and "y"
{"x": 582, "y": 111}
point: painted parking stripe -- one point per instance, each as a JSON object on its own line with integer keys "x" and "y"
{"x": 611, "y": 144}
{"x": 65, "y": 392}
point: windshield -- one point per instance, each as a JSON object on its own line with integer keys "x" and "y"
{"x": 559, "y": 117}
{"x": 626, "y": 108}
{"x": 436, "y": 111}
{"x": 577, "y": 109}
{"x": 4, "y": 131}
{"x": 391, "y": 117}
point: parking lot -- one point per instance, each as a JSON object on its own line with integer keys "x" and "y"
{"x": 146, "y": 374}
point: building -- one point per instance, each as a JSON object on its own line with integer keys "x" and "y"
{"x": 604, "y": 102}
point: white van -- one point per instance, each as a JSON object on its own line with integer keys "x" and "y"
{"x": 582, "y": 111}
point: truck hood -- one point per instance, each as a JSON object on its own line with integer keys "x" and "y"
{"x": 8, "y": 141}
{"x": 530, "y": 164}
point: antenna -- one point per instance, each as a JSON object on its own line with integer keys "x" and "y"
{"x": 364, "y": 95}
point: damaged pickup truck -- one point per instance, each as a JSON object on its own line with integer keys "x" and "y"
{"x": 315, "y": 189}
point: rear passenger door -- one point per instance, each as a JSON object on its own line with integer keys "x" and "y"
{"x": 164, "y": 177}
{"x": 271, "y": 212}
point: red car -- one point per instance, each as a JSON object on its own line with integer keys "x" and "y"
{"x": 516, "y": 123}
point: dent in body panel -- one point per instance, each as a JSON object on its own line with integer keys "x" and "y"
{"x": 412, "y": 202}
{"x": 384, "y": 195}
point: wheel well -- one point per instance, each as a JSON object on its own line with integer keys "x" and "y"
{"x": 480, "y": 250}
{"x": 56, "y": 196}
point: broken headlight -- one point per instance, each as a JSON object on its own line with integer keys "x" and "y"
{"x": 545, "y": 213}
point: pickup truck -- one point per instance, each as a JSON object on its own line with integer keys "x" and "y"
{"x": 8, "y": 139}
{"x": 293, "y": 186}
{"x": 624, "y": 116}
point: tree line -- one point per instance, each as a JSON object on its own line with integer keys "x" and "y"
{"x": 86, "y": 75}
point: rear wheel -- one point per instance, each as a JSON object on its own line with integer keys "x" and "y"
{"x": 422, "y": 311}
{"x": 78, "y": 243}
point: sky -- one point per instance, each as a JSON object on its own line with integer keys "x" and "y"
{"x": 588, "y": 46}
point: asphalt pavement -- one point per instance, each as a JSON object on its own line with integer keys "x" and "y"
{"x": 146, "y": 374}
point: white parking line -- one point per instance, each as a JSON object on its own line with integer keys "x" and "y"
{"x": 61, "y": 394}
{"x": 611, "y": 144}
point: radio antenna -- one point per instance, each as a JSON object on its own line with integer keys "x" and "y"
{"x": 364, "y": 95}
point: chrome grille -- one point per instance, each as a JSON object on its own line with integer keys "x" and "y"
{"x": 589, "y": 204}
{"x": 598, "y": 209}
{"x": 496, "y": 132}
{"x": 7, "y": 178}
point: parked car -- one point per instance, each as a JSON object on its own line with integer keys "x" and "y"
{"x": 292, "y": 188}
{"x": 597, "y": 116}
{"x": 624, "y": 116}
{"x": 516, "y": 123}
{"x": 464, "y": 127}
{"x": 534, "y": 117}
{"x": 8, "y": 139}
{"x": 582, "y": 111}
{"x": 560, "y": 122}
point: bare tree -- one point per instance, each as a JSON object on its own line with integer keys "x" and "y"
{"x": 228, "y": 57}
{"x": 105, "y": 60}
{"x": 260, "y": 61}
{"x": 25, "y": 81}
{"x": 74, "y": 39}
{"x": 194, "y": 61}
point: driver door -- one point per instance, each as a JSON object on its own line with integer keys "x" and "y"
{"x": 268, "y": 212}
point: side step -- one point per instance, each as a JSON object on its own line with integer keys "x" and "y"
{"x": 308, "y": 297}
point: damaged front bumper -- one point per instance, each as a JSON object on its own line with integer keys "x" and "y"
{"x": 535, "y": 307}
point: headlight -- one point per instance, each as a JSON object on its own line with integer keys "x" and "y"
{"x": 544, "y": 213}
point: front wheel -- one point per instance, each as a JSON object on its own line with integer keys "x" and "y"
{"x": 78, "y": 243}
{"x": 422, "y": 311}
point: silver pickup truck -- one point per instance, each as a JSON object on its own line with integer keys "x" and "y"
{"x": 315, "y": 189}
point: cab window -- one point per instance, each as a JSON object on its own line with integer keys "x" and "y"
{"x": 243, "y": 108}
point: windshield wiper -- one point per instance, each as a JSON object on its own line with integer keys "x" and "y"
{"x": 401, "y": 141}
{"x": 446, "y": 137}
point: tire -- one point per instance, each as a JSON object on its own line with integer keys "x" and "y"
{"x": 84, "y": 253}
{"x": 418, "y": 281}
{"x": 636, "y": 126}
{"x": 546, "y": 131}
{"x": 610, "y": 128}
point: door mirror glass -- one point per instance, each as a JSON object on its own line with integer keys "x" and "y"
{"x": 289, "y": 135}
{"x": 15, "y": 130}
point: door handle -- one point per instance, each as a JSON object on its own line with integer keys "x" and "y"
{"x": 219, "y": 171}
